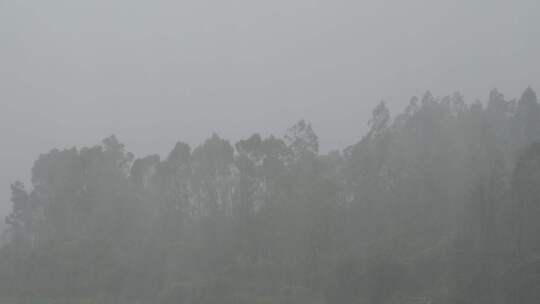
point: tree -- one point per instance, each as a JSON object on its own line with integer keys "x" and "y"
{"x": 302, "y": 140}
{"x": 525, "y": 181}
{"x": 380, "y": 119}
{"x": 526, "y": 120}
{"x": 428, "y": 206}
{"x": 22, "y": 217}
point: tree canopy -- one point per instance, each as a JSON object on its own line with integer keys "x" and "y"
{"x": 437, "y": 204}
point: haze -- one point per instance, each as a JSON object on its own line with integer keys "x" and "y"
{"x": 431, "y": 197}
{"x": 153, "y": 72}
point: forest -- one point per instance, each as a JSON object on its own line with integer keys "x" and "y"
{"x": 437, "y": 204}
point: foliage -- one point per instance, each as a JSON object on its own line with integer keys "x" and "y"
{"x": 439, "y": 204}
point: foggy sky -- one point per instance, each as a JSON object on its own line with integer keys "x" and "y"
{"x": 154, "y": 72}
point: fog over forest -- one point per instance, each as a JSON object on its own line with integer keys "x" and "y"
{"x": 150, "y": 72}
{"x": 270, "y": 152}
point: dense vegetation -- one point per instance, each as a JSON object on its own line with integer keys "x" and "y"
{"x": 439, "y": 204}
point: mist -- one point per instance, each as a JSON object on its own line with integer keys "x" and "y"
{"x": 304, "y": 77}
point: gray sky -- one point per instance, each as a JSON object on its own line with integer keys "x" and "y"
{"x": 154, "y": 72}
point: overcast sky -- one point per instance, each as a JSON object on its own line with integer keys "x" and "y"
{"x": 154, "y": 72}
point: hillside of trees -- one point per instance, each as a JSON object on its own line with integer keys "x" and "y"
{"x": 438, "y": 204}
